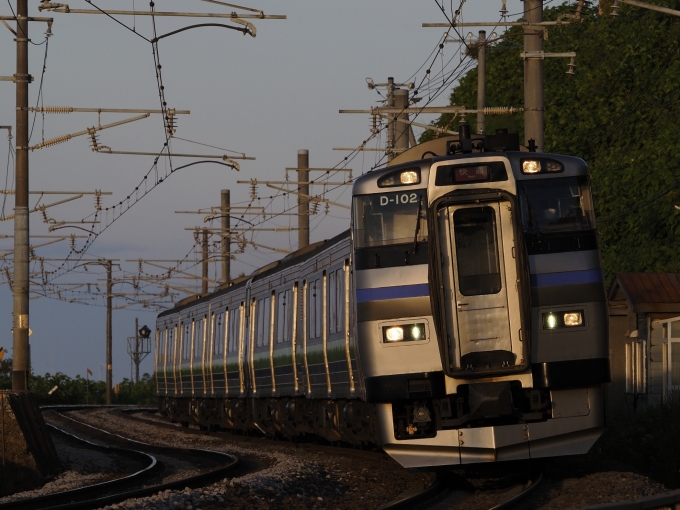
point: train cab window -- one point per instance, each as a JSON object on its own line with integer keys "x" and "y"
{"x": 161, "y": 335}
{"x": 198, "y": 338}
{"x": 390, "y": 218}
{"x": 263, "y": 321}
{"x": 556, "y": 205}
{"x": 476, "y": 251}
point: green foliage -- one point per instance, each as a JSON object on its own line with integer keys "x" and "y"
{"x": 647, "y": 441}
{"x": 81, "y": 391}
{"x": 620, "y": 112}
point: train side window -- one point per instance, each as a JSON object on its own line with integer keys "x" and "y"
{"x": 161, "y": 342}
{"x": 198, "y": 339}
{"x": 312, "y": 308}
{"x": 233, "y": 330}
{"x": 218, "y": 334}
{"x": 340, "y": 300}
{"x": 332, "y": 303}
{"x": 263, "y": 321}
{"x": 284, "y": 316}
{"x": 186, "y": 341}
{"x": 171, "y": 343}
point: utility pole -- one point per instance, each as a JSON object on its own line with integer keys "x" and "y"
{"x": 533, "y": 74}
{"x": 226, "y": 239}
{"x": 303, "y": 198}
{"x": 204, "y": 264}
{"x": 481, "y": 82}
{"x": 109, "y": 332}
{"x": 390, "y": 122}
{"x": 401, "y": 125}
{"x": 20, "y": 368}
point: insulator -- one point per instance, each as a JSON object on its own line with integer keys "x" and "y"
{"x": 56, "y": 109}
{"x": 571, "y": 67}
{"x": 327, "y": 208}
{"x": 171, "y": 124}
{"x": 496, "y": 110}
{"x": 73, "y": 242}
{"x": 139, "y": 269}
{"x": 88, "y": 288}
{"x": 614, "y": 10}
{"x": 97, "y": 200}
{"x": 44, "y": 215}
{"x": 253, "y": 189}
{"x": 315, "y": 207}
{"x": 54, "y": 141}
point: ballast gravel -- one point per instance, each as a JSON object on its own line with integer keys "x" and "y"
{"x": 300, "y": 479}
{"x": 296, "y": 478}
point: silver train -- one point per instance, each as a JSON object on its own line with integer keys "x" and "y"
{"x": 461, "y": 319}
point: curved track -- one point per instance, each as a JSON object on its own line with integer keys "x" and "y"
{"x": 130, "y": 486}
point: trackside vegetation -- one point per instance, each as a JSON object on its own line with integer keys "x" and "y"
{"x": 620, "y": 112}
{"x": 78, "y": 390}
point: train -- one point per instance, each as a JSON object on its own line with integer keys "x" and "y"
{"x": 461, "y": 318}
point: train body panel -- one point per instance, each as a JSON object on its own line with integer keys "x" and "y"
{"x": 461, "y": 319}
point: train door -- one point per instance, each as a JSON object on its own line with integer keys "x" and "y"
{"x": 480, "y": 279}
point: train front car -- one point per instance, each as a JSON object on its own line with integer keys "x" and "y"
{"x": 506, "y": 357}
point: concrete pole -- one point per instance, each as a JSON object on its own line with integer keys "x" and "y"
{"x": 20, "y": 363}
{"x": 109, "y": 332}
{"x": 303, "y": 201}
{"x": 401, "y": 139}
{"x": 204, "y": 279}
{"x": 226, "y": 239}
{"x": 390, "y": 117}
{"x": 137, "y": 350}
{"x": 533, "y": 75}
{"x": 481, "y": 82}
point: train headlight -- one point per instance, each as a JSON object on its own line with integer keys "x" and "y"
{"x": 407, "y": 177}
{"x": 404, "y": 333}
{"x": 550, "y": 320}
{"x": 573, "y": 319}
{"x": 394, "y": 334}
{"x": 558, "y": 320}
{"x": 531, "y": 166}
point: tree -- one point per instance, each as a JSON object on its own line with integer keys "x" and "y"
{"x": 620, "y": 112}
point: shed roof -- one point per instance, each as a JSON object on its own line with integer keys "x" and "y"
{"x": 647, "y": 292}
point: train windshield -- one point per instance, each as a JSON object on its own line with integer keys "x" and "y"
{"x": 390, "y": 218}
{"x": 556, "y": 205}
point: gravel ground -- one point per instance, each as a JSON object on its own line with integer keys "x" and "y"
{"x": 306, "y": 478}
{"x": 298, "y": 478}
{"x": 83, "y": 466}
{"x": 568, "y": 483}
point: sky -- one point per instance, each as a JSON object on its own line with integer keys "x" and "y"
{"x": 267, "y": 97}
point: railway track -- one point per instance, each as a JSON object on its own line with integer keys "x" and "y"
{"x": 451, "y": 490}
{"x": 151, "y": 479}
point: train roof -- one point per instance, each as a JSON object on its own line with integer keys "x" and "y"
{"x": 573, "y": 166}
{"x": 296, "y": 257}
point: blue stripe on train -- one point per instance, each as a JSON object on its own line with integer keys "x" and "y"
{"x": 401, "y": 291}
{"x": 566, "y": 278}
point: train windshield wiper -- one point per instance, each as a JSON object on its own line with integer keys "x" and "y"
{"x": 415, "y": 235}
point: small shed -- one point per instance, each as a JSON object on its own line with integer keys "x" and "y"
{"x": 644, "y": 339}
